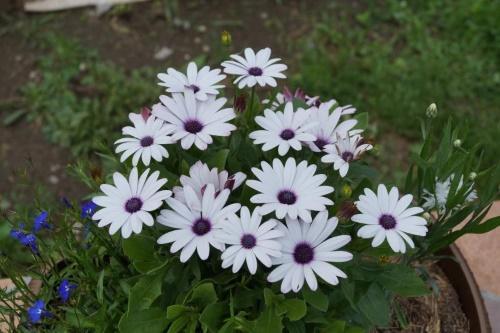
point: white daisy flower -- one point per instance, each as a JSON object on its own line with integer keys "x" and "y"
{"x": 194, "y": 122}
{"x": 200, "y": 176}
{"x": 283, "y": 129}
{"x": 249, "y": 241}
{"x": 290, "y": 190}
{"x": 287, "y": 96}
{"x": 145, "y": 140}
{"x": 202, "y": 83}
{"x": 198, "y": 222}
{"x": 127, "y": 204}
{"x": 439, "y": 200}
{"x": 388, "y": 217}
{"x": 255, "y": 68}
{"x": 329, "y": 125}
{"x": 344, "y": 151}
{"x": 307, "y": 251}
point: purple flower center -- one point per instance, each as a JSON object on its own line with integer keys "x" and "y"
{"x": 133, "y": 205}
{"x": 287, "y": 134}
{"x": 303, "y": 253}
{"x": 147, "y": 141}
{"x": 248, "y": 241}
{"x": 287, "y": 197}
{"x": 201, "y": 226}
{"x": 347, "y": 156}
{"x": 193, "y": 126}
{"x": 387, "y": 221}
{"x": 255, "y": 71}
{"x": 194, "y": 87}
{"x": 320, "y": 143}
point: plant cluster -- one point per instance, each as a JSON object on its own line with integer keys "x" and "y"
{"x": 250, "y": 217}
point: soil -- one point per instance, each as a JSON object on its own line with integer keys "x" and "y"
{"x": 433, "y": 313}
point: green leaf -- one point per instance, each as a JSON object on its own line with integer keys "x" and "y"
{"x": 485, "y": 226}
{"x": 14, "y": 117}
{"x": 100, "y": 288}
{"x": 362, "y": 119}
{"x": 145, "y": 292}
{"x": 213, "y": 315}
{"x": 218, "y": 160}
{"x": 138, "y": 247}
{"x": 316, "y": 298}
{"x": 296, "y": 327}
{"x": 204, "y": 294}
{"x": 337, "y": 326}
{"x": 176, "y": 310}
{"x": 403, "y": 280}
{"x": 153, "y": 320}
{"x": 295, "y": 308}
{"x": 179, "y": 324}
{"x": 374, "y": 305}
{"x": 268, "y": 322}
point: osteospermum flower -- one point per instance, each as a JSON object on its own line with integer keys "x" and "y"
{"x": 202, "y": 83}
{"x": 442, "y": 191}
{"x": 65, "y": 290}
{"x": 198, "y": 222}
{"x": 308, "y": 251}
{"x": 249, "y": 240}
{"x": 194, "y": 122}
{"x": 255, "y": 68}
{"x": 344, "y": 151}
{"x": 127, "y": 204}
{"x": 283, "y": 129}
{"x": 145, "y": 140}
{"x": 289, "y": 96}
{"x": 388, "y": 217}
{"x": 40, "y": 222}
{"x": 37, "y": 312}
{"x": 329, "y": 125}
{"x": 200, "y": 176}
{"x": 290, "y": 190}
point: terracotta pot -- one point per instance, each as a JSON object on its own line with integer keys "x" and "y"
{"x": 460, "y": 276}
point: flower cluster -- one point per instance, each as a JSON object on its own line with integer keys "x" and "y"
{"x": 205, "y": 209}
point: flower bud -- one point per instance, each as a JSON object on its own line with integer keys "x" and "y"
{"x": 240, "y": 103}
{"x": 226, "y": 38}
{"x": 427, "y": 216}
{"x": 457, "y": 143}
{"x": 431, "y": 111}
{"x": 346, "y": 191}
{"x": 145, "y": 113}
{"x": 472, "y": 175}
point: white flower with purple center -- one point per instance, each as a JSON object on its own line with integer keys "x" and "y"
{"x": 255, "y": 68}
{"x": 287, "y": 96}
{"x": 290, "y": 190}
{"x": 308, "y": 251}
{"x": 329, "y": 125}
{"x": 145, "y": 140}
{"x": 283, "y": 129}
{"x": 197, "y": 222}
{"x": 200, "y": 176}
{"x": 202, "y": 83}
{"x": 250, "y": 241}
{"x": 128, "y": 204}
{"x": 194, "y": 122}
{"x": 344, "y": 151}
{"x": 388, "y": 217}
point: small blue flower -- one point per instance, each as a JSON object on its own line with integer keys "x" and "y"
{"x": 37, "y": 312}
{"x": 17, "y": 234}
{"x": 65, "y": 290}
{"x": 29, "y": 240}
{"x": 41, "y": 222}
{"x": 88, "y": 209}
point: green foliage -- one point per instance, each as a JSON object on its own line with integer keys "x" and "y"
{"x": 393, "y": 60}
{"x": 82, "y": 101}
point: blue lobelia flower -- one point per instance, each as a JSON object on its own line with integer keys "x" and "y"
{"x": 88, "y": 209}
{"x": 29, "y": 240}
{"x": 37, "y": 312}
{"x": 18, "y": 234}
{"x": 65, "y": 290}
{"x": 41, "y": 222}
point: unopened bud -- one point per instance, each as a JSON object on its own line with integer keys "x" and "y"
{"x": 427, "y": 216}
{"x": 145, "y": 113}
{"x": 229, "y": 183}
{"x": 472, "y": 175}
{"x": 457, "y": 143}
{"x": 240, "y": 103}
{"x": 346, "y": 191}
{"x": 431, "y": 111}
{"x": 226, "y": 38}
